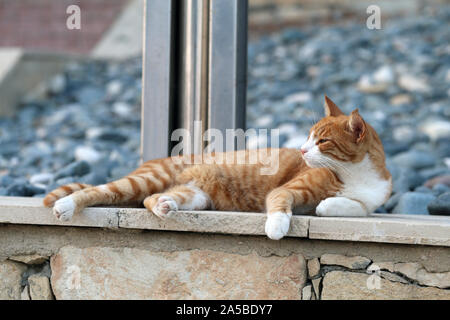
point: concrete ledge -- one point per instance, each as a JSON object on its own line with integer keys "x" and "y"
{"x": 19, "y": 210}
{"x": 207, "y": 221}
{"x": 390, "y": 228}
{"x": 403, "y": 229}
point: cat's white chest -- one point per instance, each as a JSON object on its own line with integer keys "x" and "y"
{"x": 363, "y": 183}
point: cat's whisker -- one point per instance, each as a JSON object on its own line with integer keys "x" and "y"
{"x": 333, "y": 163}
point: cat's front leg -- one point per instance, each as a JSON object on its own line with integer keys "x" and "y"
{"x": 306, "y": 189}
{"x": 277, "y": 224}
{"x": 340, "y": 207}
{"x": 279, "y": 212}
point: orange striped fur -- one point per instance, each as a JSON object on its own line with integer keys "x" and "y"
{"x": 165, "y": 185}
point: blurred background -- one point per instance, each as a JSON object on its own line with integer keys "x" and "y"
{"x": 70, "y": 99}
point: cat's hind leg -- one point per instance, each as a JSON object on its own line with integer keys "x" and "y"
{"x": 152, "y": 177}
{"x": 62, "y": 192}
{"x": 180, "y": 197}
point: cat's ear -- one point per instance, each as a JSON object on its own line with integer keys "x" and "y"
{"x": 357, "y": 125}
{"x": 331, "y": 109}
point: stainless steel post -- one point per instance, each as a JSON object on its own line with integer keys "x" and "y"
{"x": 196, "y": 50}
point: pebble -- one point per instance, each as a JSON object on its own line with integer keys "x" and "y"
{"x": 400, "y": 99}
{"x": 436, "y": 129}
{"x": 57, "y": 84}
{"x": 415, "y": 159}
{"x": 440, "y": 205}
{"x": 413, "y": 203}
{"x": 385, "y": 74}
{"x": 392, "y": 202}
{"x": 88, "y": 154}
{"x": 23, "y": 190}
{"x": 444, "y": 180}
{"x": 114, "y": 88}
{"x": 439, "y": 189}
{"x": 6, "y": 180}
{"x": 406, "y": 180}
{"x": 41, "y": 178}
{"x": 75, "y": 169}
{"x": 413, "y": 83}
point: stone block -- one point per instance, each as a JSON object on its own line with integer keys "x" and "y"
{"x": 125, "y": 273}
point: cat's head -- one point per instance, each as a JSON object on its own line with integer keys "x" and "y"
{"x": 339, "y": 138}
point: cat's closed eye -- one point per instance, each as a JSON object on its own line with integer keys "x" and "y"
{"x": 322, "y": 141}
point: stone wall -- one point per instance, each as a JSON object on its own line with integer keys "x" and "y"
{"x": 58, "y": 262}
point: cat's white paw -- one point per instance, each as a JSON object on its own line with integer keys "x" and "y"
{"x": 340, "y": 207}
{"x": 277, "y": 225}
{"x": 64, "y": 208}
{"x": 165, "y": 207}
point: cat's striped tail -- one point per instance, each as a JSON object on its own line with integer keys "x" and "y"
{"x": 152, "y": 177}
{"x": 63, "y": 191}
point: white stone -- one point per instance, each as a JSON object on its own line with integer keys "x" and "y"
{"x": 413, "y": 83}
{"x": 88, "y": 154}
{"x": 264, "y": 121}
{"x": 385, "y": 74}
{"x": 93, "y": 133}
{"x": 368, "y": 85}
{"x": 300, "y": 97}
{"x": 403, "y": 133}
{"x": 113, "y": 88}
{"x": 41, "y": 178}
{"x": 401, "y": 99}
{"x": 122, "y": 109}
{"x": 447, "y": 162}
{"x": 57, "y": 84}
{"x": 436, "y": 129}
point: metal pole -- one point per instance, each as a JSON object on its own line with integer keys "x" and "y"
{"x": 157, "y": 88}
{"x": 194, "y": 69}
{"x": 202, "y": 59}
{"x": 227, "y": 64}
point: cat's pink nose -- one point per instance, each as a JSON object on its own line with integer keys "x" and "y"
{"x": 303, "y": 151}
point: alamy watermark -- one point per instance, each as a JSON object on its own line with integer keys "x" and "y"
{"x": 374, "y": 280}
{"x": 73, "y": 280}
{"x": 73, "y": 21}
{"x": 374, "y": 20}
{"x": 211, "y": 147}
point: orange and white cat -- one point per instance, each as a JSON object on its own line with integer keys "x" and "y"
{"x": 339, "y": 171}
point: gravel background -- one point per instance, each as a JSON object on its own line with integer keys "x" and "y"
{"x": 86, "y": 127}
